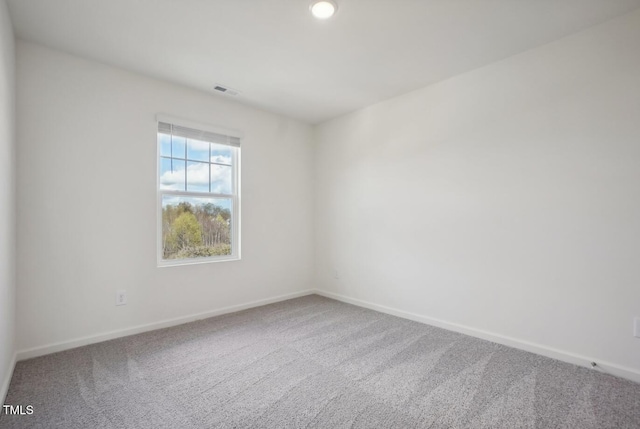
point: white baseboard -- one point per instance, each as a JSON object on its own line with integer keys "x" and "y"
{"x": 4, "y": 388}
{"x": 92, "y": 339}
{"x": 605, "y": 367}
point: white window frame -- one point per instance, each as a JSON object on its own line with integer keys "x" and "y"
{"x": 234, "y": 196}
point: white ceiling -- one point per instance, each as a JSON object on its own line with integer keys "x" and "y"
{"x": 284, "y": 60}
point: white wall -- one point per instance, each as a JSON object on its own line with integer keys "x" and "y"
{"x": 506, "y": 199}
{"x": 87, "y": 202}
{"x": 7, "y": 199}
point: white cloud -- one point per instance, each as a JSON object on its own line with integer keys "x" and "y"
{"x": 198, "y": 145}
{"x": 173, "y": 180}
{"x": 221, "y": 159}
{"x": 198, "y": 176}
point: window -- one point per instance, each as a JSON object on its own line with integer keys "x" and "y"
{"x": 198, "y": 193}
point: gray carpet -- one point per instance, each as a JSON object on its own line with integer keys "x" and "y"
{"x": 313, "y": 363}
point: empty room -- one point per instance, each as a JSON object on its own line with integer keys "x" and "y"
{"x": 320, "y": 214}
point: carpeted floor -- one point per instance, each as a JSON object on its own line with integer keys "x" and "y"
{"x": 313, "y": 362}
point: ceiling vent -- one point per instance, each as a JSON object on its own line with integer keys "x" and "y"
{"x": 226, "y": 90}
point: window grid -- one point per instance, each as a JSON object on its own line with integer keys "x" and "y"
{"x": 186, "y": 159}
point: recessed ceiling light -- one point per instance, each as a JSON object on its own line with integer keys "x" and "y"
{"x": 323, "y": 9}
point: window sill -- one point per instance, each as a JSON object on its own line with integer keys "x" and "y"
{"x": 180, "y": 262}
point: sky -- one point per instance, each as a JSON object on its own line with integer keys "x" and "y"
{"x": 179, "y": 154}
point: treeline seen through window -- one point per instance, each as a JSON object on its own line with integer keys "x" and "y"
{"x": 195, "y": 230}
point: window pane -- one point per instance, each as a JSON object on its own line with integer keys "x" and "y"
{"x": 197, "y": 150}
{"x": 197, "y": 176}
{"x": 221, "y": 179}
{"x": 165, "y": 144}
{"x": 221, "y": 154}
{"x": 195, "y": 227}
{"x": 179, "y": 147}
{"x": 172, "y": 174}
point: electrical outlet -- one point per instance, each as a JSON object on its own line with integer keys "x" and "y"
{"x": 336, "y": 274}
{"x": 121, "y": 297}
{"x": 636, "y": 327}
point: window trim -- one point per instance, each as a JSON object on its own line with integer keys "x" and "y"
{"x": 236, "y": 214}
